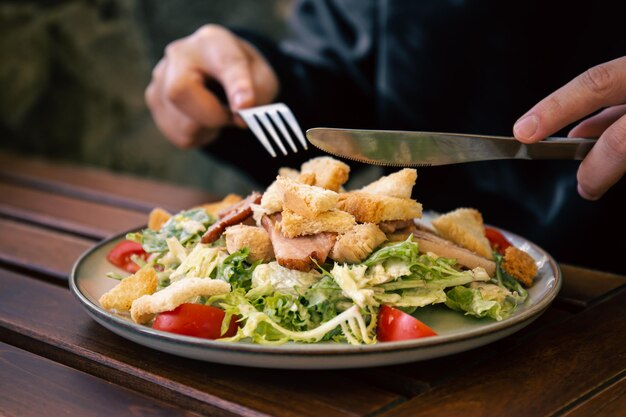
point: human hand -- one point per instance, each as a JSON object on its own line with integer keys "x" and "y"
{"x": 603, "y": 86}
{"x": 185, "y": 111}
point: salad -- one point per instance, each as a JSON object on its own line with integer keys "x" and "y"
{"x": 307, "y": 261}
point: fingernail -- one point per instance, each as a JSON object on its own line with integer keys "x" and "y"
{"x": 526, "y": 128}
{"x": 241, "y": 98}
{"x": 584, "y": 194}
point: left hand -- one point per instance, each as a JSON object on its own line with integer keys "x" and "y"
{"x": 603, "y": 86}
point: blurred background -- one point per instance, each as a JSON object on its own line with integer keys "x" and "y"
{"x": 73, "y": 74}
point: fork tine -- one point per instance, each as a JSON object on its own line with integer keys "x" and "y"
{"x": 278, "y": 121}
{"x": 258, "y": 132}
{"x": 289, "y": 117}
{"x": 268, "y": 126}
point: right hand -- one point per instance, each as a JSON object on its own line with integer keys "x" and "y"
{"x": 185, "y": 111}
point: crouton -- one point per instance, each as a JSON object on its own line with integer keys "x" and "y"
{"x": 121, "y": 297}
{"x": 306, "y": 200}
{"x": 214, "y": 208}
{"x": 371, "y": 208}
{"x": 293, "y": 224}
{"x": 519, "y": 265}
{"x": 330, "y": 173}
{"x": 179, "y": 292}
{"x": 290, "y": 173}
{"x": 254, "y": 238}
{"x": 357, "y": 243}
{"x": 293, "y": 174}
{"x": 157, "y": 218}
{"x": 272, "y": 200}
{"x": 399, "y": 184}
{"x": 464, "y": 226}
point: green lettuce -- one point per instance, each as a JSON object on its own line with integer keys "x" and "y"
{"x": 186, "y": 226}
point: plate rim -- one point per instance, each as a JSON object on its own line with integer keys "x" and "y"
{"x": 312, "y": 349}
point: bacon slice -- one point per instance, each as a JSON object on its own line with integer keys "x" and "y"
{"x": 299, "y": 252}
{"x": 231, "y": 216}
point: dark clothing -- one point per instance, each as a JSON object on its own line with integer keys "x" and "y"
{"x": 453, "y": 66}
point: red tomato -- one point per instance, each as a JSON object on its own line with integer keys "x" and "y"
{"x": 394, "y": 324}
{"x": 497, "y": 240}
{"x": 121, "y": 253}
{"x": 197, "y": 320}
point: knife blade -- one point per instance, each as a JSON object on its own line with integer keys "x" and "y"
{"x": 406, "y": 148}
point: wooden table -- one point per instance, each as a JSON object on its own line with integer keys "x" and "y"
{"x": 55, "y": 360}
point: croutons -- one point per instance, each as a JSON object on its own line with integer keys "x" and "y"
{"x": 254, "y": 238}
{"x": 157, "y": 218}
{"x": 464, "y": 226}
{"x": 272, "y": 200}
{"x": 357, "y": 243}
{"x": 370, "y": 208}
{"x": 121, "y": 297}
{"x": 293, "y": 174}
{"x": 306, "y": 200}
{"x": 143, "y": 308}
{"x": 337, "y": 221}
{"x": 399, "y": 184}
{"x": 214, "y": 208}
{"x": 519, "y": 265}
{"x": 330, "y": 173}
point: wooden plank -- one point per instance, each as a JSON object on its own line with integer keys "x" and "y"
{"x": 29, "y": 247}
{"x": 98, "y": 185}
{"x": 68, "y": 335}
{"x": 34, "y": 386}
{"x": 581, "y": 286}
{"x": 65, "y": 213}
{"x": 566, "y": 362}
{"x": 610, "y": 402}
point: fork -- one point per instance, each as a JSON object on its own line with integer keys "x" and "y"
{"x": 279, "y": 113}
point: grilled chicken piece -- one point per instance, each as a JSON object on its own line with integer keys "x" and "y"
{"x": 356, "y": 244}
{"x": 428, "y": 242}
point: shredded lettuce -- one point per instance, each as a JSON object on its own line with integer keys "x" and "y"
{"x": 236, "y": 271}
{"x": 484, "y": 300}
{"x": 187, "y": 227}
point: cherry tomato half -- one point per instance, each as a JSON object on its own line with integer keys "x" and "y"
{"x": 498, "y": 242}
{"x": 197, "y": 320}
{"x": 121, "y": 253}
{"x": 394, "y": 324}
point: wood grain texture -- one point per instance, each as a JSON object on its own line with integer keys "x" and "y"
{"x": 66, "y": 213}
{"x": 41, "y": 250}
{"x": 609, "y": 402}
{"x": 581, "y": 286}
{"x": 34, "y": 386}
{"x": 98, "y": 185}
{"x": 69, "y": 335}
{"x": 547, "y": 373}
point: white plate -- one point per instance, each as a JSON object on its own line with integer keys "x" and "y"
{"x": 456, "y": 332}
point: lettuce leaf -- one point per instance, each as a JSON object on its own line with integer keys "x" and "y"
{"x": 186, "y": 226}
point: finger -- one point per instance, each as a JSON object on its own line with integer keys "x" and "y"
{"x": 605, "y": 164}
{"x": 595, "y": 125}
{"x": 601, "y": 86}
{"x": 184, "y": 87}
{"x": 226, "y": 61}
{"x": 180, "y": 129}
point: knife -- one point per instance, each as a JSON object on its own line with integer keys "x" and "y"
{"x": 404, "y": 148}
